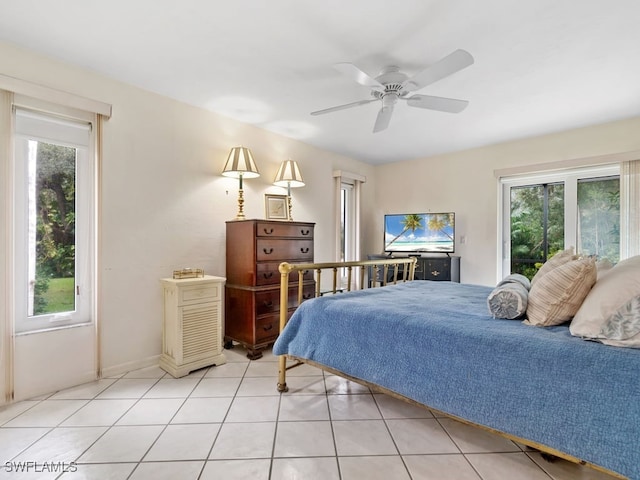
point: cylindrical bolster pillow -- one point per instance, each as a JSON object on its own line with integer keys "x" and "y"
{"x": 517, "y": 278}
{"x": 508, "y": 300}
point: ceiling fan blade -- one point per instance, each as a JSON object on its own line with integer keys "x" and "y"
{"x": 449, "y": 65}
{"x": 383, "y": 119}
{"x": 342, "y": 107}
{"x": 354, "y": 73}
{"x": 442, "y": 104}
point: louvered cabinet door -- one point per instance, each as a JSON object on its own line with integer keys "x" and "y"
{"x": 192, "y": 325}
{"x": 200, "y": 331}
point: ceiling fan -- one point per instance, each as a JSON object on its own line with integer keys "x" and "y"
{"x": 392, "y": 85}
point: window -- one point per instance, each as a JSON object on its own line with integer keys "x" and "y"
{"x": 537, "y": 225}
{"x": 599, "y": 218}
{"x": 347, "y": 216}
{"x": 54, "y": 201}
{"x": 347, "y": 233}
{"x": 545, "y": 213}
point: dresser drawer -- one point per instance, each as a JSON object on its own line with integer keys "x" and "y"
{"x": 274, "y": 229}
{"x": 271, "y": 249}
{"x": 267, "y": 273}
{"x": 268, "y": 301}
{"x": 267, "y": 327}
{"x": 198, "y": 293}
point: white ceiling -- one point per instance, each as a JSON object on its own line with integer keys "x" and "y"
{"x": 540, "y": 66}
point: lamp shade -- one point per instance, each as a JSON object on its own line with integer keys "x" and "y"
{"x": 240, "y": 164}
{"x": 289, "y": 175}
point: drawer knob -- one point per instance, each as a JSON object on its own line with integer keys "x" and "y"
{"x": 304, "y": 250}
{"x": 267, "y": 251}
{"x": 305, "y": 232}
{"x": 435, "y": 273}
{"x": 268, "y": 303}
{"x": 268, "y": 231}
{"x": 307, "y": 296}
{"x": 266, "y": 328}
{"x": 267, "y": 275}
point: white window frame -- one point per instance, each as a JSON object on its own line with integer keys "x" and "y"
{"x": 56, "y": 127}
{"x": 570, "y": 179}
{"x": 351, "y": 184}
{"x": 347, "y": 208}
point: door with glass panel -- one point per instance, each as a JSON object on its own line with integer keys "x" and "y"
{"x": 55, "y": 344}
{"x": 548, "y": 213}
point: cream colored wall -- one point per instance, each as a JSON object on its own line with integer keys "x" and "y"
{"x": 164, "y": 202}
{"x": 464, "y": 182}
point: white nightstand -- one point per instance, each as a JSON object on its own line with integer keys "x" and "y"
{"x": 192, "y": 325}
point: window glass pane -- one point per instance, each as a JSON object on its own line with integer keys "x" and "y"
{"x": 537, "y": 225}
{"x": 52, "y": 225}
{"x": 599, "y": 218}
{"x": 343, "y": 224}
{"x": 555, "y": 223}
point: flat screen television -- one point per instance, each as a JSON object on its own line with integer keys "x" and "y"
{"x": 419, "y": 232}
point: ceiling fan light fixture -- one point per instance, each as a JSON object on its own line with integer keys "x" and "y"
{"x": 389, "y": 100}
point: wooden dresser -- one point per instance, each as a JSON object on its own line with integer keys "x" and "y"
{"x": 255, "y": 248}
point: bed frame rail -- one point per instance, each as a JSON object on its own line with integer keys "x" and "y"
{"x": 377, "y": 273}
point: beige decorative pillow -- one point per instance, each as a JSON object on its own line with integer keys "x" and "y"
{"x": 558, "y": 259}
{"x": 611, "y": 311}
{"x": 556, "y": 297}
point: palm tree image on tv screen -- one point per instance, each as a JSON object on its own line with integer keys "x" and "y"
{"x": 419, "y": 232}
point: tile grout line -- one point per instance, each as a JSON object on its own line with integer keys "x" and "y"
{"x": 51, "y": 429}
{"x": 275, "y": 436}
{"x": 109, "y": 427}
{"x": 333, "y": 432}
{"x": 395, "y": 444}
{"x": 59, "y": 425}
{"x": 224, "y": 418}
{"x": 168, "y": 422}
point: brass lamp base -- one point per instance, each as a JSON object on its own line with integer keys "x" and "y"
{"x": 289, "y": 206}
{"x": 240, "y": 215}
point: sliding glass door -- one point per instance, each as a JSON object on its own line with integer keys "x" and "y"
{"x": 546, "y": 213}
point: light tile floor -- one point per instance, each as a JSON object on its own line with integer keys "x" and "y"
{"x": 230, "y": 422}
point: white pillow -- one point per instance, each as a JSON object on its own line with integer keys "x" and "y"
{"x": 611, "y": 311}
{"x": 603, "y": 266}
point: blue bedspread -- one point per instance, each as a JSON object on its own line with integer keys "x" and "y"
{"x": 436, "y": 343}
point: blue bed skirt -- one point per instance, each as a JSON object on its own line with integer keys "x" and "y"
{"x": 435, "y": 343}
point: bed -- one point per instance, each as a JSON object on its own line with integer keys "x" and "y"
{"x": 435, "y": 344}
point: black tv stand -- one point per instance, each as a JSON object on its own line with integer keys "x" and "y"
{"x": 432, "y": 267}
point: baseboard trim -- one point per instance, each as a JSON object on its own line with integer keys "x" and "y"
{"x": 123, "y": 368}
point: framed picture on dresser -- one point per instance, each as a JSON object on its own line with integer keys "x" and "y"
{"x": 276, "y": 207}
